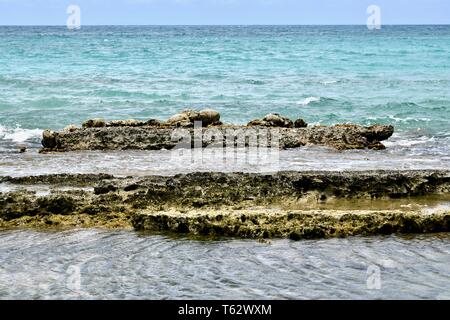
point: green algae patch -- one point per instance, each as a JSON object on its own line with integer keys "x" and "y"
{"x": 68, "y": 222}
{"x": 293, "y": 224}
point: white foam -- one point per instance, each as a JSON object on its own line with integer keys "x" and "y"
{"x": 408, "y": 141}
{"x": 308, "y": 100}
{"x": 397, "y": 119}
{"x": 18, "y": 134}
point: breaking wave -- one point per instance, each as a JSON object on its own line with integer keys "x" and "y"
{"x": 19, "y": 134}
{"x": 308, "y": 100}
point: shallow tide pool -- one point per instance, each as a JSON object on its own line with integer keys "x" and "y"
{"x": 105, "y": 264}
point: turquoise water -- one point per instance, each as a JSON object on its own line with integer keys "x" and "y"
{"x": 51, "y": 77}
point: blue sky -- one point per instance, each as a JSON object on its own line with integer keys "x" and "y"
{"x": 148, "y": 12}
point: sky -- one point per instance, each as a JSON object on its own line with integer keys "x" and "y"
{"x": 223, "y": 12}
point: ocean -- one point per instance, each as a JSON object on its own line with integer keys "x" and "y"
{"x": 51, "y": 77}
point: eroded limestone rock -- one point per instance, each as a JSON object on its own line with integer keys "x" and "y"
{"x": 94, "y": 123}
{"x": 125, "y": 123}
{"x": 49, "y": 139}
{"x": 163, "y": 137}
{"x": 188, "y": 117}
{"x": 272, "y": 120}
{"x": 71, "y": 128}
{"x": 97, "y": 134}
{"x": 296, "y": 205}
{"x": 209, "y": 116}
{"x": 293, "y": 224}
{"x": 300, "y": 123}
{"x": 180, "y": 120}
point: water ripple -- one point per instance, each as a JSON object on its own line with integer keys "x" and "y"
{"x": 129, "y": 265}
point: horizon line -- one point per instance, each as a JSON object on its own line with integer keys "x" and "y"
{"x": 219, "y": 25}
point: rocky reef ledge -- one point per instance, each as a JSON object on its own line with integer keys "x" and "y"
{"x": 293, "y": 224}
{"x": 180, "y": 130}
{"x": 296, "y": 205}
